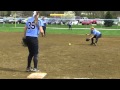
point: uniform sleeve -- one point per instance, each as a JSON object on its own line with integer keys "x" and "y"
{"x": 40, "y": 23}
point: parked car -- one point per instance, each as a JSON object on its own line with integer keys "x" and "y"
{"x": 82, "y": 19}
{"x": 63, "y": 22}
{"x": 19, "y": 20}
{"x": 86, "y": 22}
{"x": 58, "y": 22}
{"x": 13, "y": 20}
{"x": 94, "y": 21}
{"x": 75, "y": 22}
{"x": 100, "y": 22}
{"x": 51, "y": 21}
{"x": 6, "y": 19}
{"x": 24, "y": 20}
{"x": 115, "y": 22}
{"x": 1, "y": 20}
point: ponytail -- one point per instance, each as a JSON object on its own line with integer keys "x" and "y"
{"x": 35, "y": 14}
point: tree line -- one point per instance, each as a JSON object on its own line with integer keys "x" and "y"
{"x": 89, "y": 14}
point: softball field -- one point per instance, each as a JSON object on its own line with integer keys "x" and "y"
{"x": 59, "y": 59}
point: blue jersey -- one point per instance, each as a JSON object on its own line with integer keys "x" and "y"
{"x": 95, "y": 32}
{"x": 70, "y": 23}
{"x": 32, "y": 28}
{"x": 44, "y": 23}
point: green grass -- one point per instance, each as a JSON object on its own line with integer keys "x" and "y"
{"x": 83, "y": 32}
{"x": 64, "y": 26}
{"x": 12, "y": 25}
{"x": 64, "y": 31}
{"x": 10, "y": 28}
{"x": 85, "y": 26}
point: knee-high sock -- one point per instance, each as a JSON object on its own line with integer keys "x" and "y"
{"x": 29, "y": 60}
{"x": 35, "y": 60}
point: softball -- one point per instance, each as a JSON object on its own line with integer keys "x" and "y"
{"x": 69, "y": 44}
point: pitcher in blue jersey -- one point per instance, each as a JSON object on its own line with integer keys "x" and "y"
{"x": 94, "y": 34}
{"x": 32, "y": 30}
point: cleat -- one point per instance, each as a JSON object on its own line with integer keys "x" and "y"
{"x": 91, "y": 43}
{"x": 95, "y": 44}
{"x": 29, "y": 69}
{"x": 35, "y": 70}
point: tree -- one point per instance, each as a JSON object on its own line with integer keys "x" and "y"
{"x": 69, "y": 15}
{"x": 108, "y": 23}
{"x": 8, "y": 13}
{"x": 78, "y": 13}
{"x": 27, "y": 13}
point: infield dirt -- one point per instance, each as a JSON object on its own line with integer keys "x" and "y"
{"x": 59, "y": 60}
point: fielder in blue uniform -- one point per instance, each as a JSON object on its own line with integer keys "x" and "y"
{"x": 32, "y": 30}
{"x": 70, "y": 25}
{"x": 44, "y": 25}
{"x": 94, "y": 34}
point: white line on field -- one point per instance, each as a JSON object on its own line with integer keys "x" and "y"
{"x": 73, "y": 28}
{"x": 83, "y": 28}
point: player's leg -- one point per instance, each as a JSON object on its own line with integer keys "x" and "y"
{"x": 92, "y": 40}
{"x": 30, "y": 56}
{"x": 35, "y": 58}
{"x": 98, "y": 38}
{"x": 44, "y": 31}
{"x": 71, "y": 27}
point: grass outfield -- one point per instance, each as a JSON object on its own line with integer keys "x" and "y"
{"x": 65, "y": 31}
{"x": 86, "y": 26}
{"x": 64, "y": 26}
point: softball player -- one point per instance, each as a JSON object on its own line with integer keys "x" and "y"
{"x": 94, "y": 34}
{"x": 44, "y": 25}
{"x": 32, "y": 29}
{"x": 70, "y": 25}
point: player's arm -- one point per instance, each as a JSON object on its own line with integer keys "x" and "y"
{"x": 25, "y": 29}
{"x": 41, "y": 31}
{"x": 91, "y": 36}
{"x": 88, "y": 34}
{"x": 41, "y": 28}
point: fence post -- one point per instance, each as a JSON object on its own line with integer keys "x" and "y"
{"x": 15, "y": 19}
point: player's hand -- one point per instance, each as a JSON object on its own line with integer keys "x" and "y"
{"x": 42, "y": 34}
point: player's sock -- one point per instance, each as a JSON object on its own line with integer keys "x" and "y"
{"x": 29, "y": 60}
{"x": 35, "y": 59}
